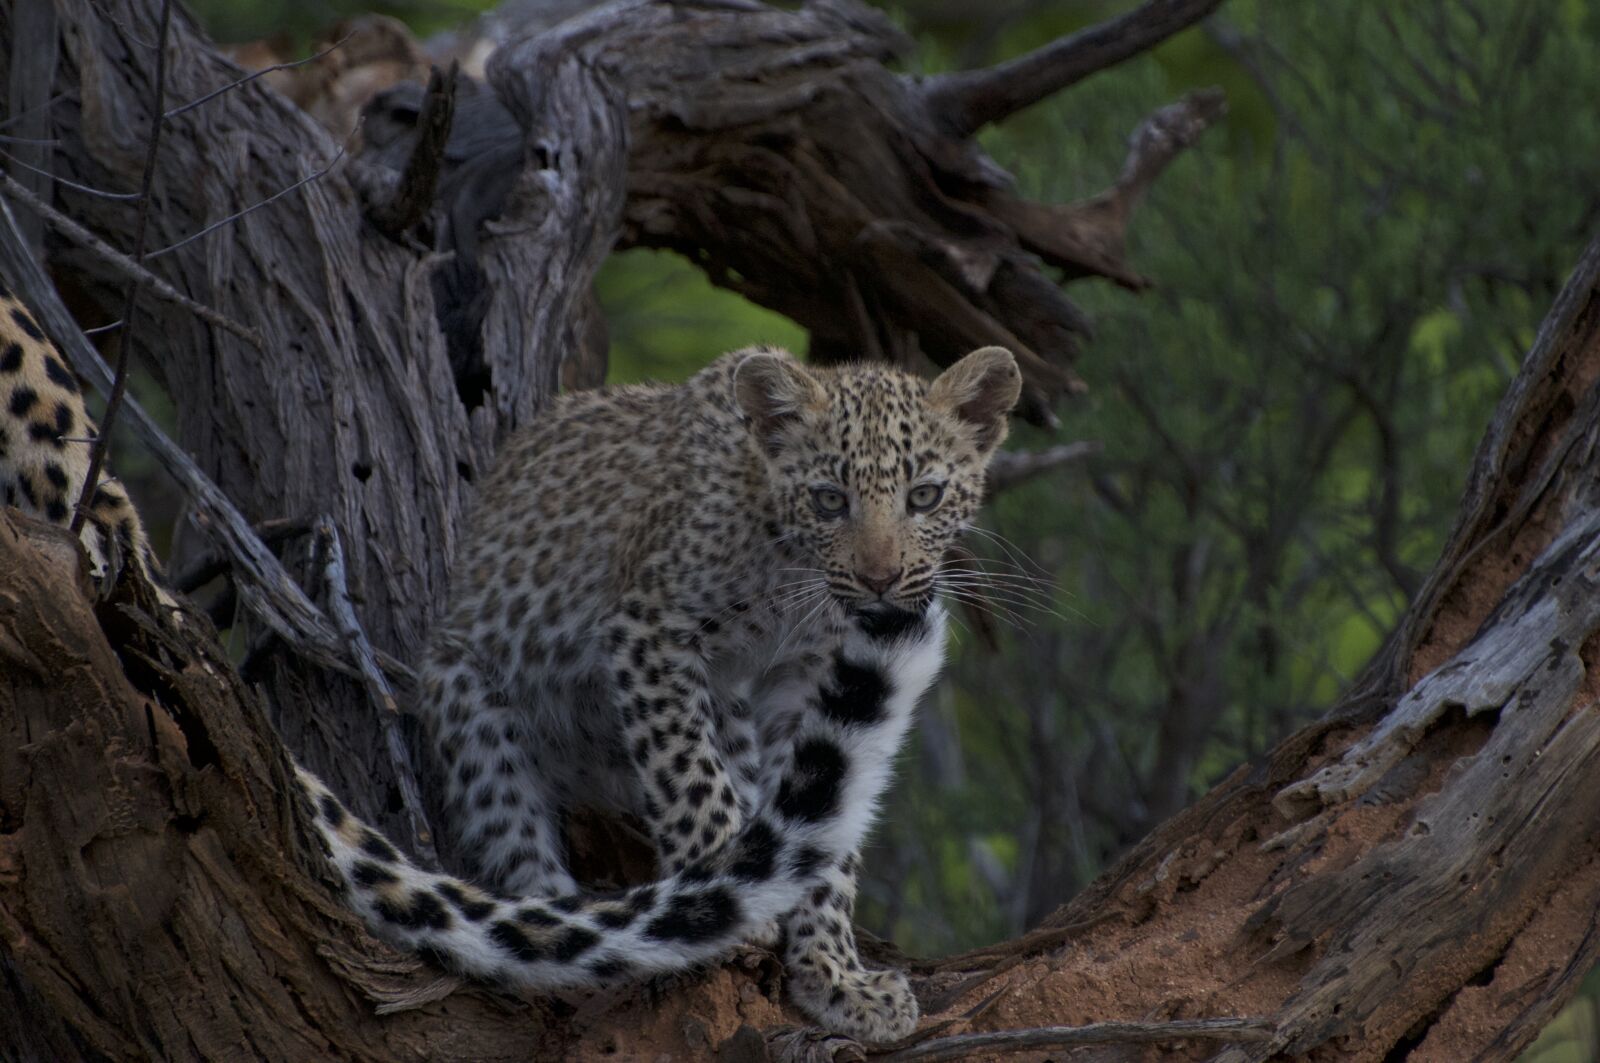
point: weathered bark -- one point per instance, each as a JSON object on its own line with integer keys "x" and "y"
{"x": 1415, "y": 869}
{"x": 347, "y": 405}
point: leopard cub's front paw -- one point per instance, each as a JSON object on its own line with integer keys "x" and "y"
{"x": 870, "y": 1006}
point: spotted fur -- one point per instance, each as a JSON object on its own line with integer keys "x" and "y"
{"x": 45, "y": 439}
{"x": 649, "y": 612}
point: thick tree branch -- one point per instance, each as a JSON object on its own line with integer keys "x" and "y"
{"x": 773, "y": 149}
{"x": 971, "y": 99}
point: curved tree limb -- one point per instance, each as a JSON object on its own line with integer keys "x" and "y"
{"x": 971, "y": 99}
{"x": 849, "y": 188}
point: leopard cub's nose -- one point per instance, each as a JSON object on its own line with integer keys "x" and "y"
{"x": 878, "y": 580}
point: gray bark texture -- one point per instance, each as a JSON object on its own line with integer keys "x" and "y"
{"x": 1414, "y": 873}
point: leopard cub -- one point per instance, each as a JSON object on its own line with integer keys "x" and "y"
{"x": 656, "y": 599}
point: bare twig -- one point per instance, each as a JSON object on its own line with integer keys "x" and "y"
{"x": 377, "y": 687}
{"x": 87, "y": 190}
{"x": 125, "y": 265}
{"x": 964, "y": 1046}
{"x": 119, "y": 384}
{"x": 264, "y": 71}
{"x": 1090, "y": 236}
{"x": 1008, "y": 468}
{"x": 45, "y": 106}
{"x": 968, "y": 100}
{"x": 252, "y": 208}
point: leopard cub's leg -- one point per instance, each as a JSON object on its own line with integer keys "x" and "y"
{"x": 669, "y": 725}
{"x": 826, "y": 975}
{"x": 498, "y": 799}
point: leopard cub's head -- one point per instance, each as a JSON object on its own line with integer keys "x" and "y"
{"x": 876, "y": 471}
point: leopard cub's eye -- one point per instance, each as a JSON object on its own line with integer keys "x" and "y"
{"x": 830, "y": 501}
{"x": 925, "y": 496}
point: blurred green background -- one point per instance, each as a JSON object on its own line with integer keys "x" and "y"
{"x": 1348, "y": 271}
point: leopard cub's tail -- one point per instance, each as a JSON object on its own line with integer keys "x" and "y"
{"x": 818, "y": 816}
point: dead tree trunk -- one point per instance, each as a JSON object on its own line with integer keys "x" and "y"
{"x": 1416, "y": 870}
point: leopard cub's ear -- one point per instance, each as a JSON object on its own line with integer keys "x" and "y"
{"x": 981, "y": 390}
{"x": 773, "y": 390}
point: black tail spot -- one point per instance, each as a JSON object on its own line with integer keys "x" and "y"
{"x": 104, "y": 499}
{"x": 607, "y": 970}
{"x": 511, "y": 939}
{"x": 696, "y": 917}
{"x": 373, "y": 844}
{"x": 574, "y": 943}
{"x": 332, "y": 811}
{"x": 699, "y": 871}
{"x": 857, "y": 695}
{"x": 366, "y": 874}
{"x": 806, "y": 860}
{"x": 22, "y": 399}
{"x": 59, "y": 374}
{"x": 757, "y": 853}
{"x": 615, "y": 918}
{"x": 11, "y": 358}
{"x": 537, "y": 917}
{"x": 421, "y": 911}
{"x": 476, "y": 911}
{"x": 810, "y": 790}
{"x": 438, "y": 957}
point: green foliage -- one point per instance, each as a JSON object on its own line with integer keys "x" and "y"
{"x": 1346, "y": 277}
{"x": 297, "y": 22}
{"x": 667, "y": 320}
{"x": 1573, "y": 1036}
